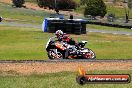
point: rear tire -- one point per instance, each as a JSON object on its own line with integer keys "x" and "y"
{"x": 89, "y": 55}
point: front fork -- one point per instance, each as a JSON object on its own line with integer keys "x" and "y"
{"x": 54, "y": 53}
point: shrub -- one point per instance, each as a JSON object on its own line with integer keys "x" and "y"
{"x": 66, "y": 4}
{"x": 60, "y": 4}
{"x": 83, "y": 2}
{"x": 18, "y": 3}
{"x": 95, "y": 8}
{"x": 40, "y": 3}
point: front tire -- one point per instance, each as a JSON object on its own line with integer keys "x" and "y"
{"x": 53, "y": 56}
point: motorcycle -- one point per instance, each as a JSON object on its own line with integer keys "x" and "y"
{"x": 61, "y": 50}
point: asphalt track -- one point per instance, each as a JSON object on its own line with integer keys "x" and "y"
{"x": 61, "y": 61}
{"x": 88, "y": 30}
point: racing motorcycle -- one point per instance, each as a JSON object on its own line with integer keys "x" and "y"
{"x": 61, "y": 50}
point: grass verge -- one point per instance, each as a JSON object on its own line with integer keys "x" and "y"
{"x": 22, "y": 14}
{"x": 98, "y": 27}
{"x": 17, "y": 43}
{"x": 57, "y": 80}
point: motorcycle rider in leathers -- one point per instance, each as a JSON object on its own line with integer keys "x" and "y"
{"x": 63, "y": 37}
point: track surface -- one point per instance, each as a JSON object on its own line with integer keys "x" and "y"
{"x": 27, "y": 67}
{"x": 62, "y": 61}
{"x": 88, "y": 30}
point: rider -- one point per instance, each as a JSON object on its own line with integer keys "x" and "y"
{"x": 64, "y": 37}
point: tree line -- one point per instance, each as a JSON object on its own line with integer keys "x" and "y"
{"x": 92, "y": 7}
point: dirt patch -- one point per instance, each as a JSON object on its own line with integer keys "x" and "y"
{"x": 6, "y": 1}
{"x": 40, "y": 68}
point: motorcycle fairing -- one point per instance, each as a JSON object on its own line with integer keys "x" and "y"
{"x": 60, "y": 46}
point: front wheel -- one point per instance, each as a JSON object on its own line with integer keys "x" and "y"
{"x": 55, "y": 55}
{"x": 89, "y": 55}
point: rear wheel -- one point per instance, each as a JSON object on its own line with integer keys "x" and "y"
{"x": 89, "y": 55}
{"x": 55, "y": 56}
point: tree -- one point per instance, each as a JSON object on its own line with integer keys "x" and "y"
{"x": 83, "y": 2}
{"x": 58, "y": 4}
{"x": 18, "y": 3}
{"x": 95, "y": 8}
{"x": 40, "y": 3}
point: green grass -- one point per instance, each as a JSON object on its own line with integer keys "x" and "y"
{"x": 22, "y": 43}
{"x": 32, "y": 1}
{"x": 98, "y": 27}
{"x": 77, "y": 1}
{"x": 17, "y": 43}
{"x": 57, "y": 80}
{"x": 108, "y": 46}
{"x": 80, "y": 9}
{"x": 118, "y": 11}
{"x": 28, "y": 15}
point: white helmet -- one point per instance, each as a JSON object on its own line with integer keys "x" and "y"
{"x": 59, "y": 33}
